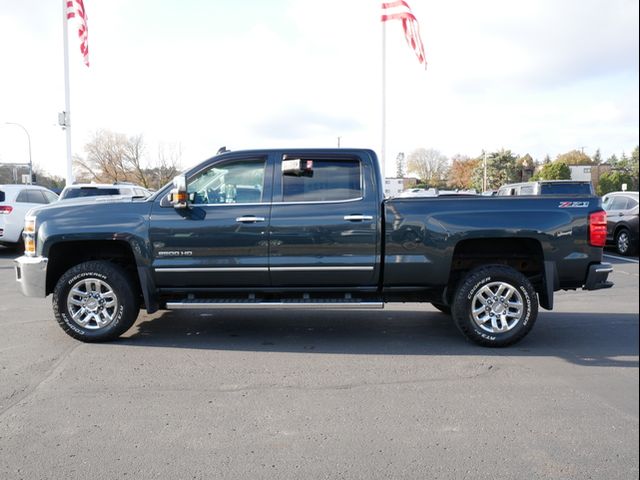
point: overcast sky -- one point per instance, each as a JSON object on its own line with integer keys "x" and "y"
{"x": 538, "y": 77}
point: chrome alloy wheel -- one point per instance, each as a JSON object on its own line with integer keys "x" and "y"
{"x": 92, "y": 303}
{"x": 623, "y": 242}
{"x": 497, "y": 307}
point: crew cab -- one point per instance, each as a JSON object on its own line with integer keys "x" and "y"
{"x": 310, "y": 229}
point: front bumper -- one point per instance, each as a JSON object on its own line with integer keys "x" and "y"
{"x": 597, "y": 276}
{"x": 31, "y": 275}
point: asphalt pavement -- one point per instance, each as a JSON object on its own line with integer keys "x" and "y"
{"x": 396, "y": 393}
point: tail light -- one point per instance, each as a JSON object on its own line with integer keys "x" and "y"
{"x": 5, "y": 209}
{"x": 598, "y": 228}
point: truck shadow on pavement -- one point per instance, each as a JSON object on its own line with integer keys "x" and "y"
{"x": 9, "y": 253}
{"x": 590, "y": 339}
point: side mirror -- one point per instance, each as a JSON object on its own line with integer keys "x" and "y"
{"x": 178, "y": 196}
{"x": 297, "y": 168}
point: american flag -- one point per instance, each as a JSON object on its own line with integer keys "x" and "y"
{"x": 400, "y": 10}
{"x": 75, "y": 9}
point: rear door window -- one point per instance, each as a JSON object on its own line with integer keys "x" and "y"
{"x": 616, "y": 203}
{"x": 331, "y": 180}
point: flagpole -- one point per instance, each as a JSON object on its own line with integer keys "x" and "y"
{"x": 383, "y": 149}
{"x": 66, "y": 118}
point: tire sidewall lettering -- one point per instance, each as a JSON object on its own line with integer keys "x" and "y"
{"x": 80, "y": 276}
{"x": 71, "y": 323}
{"x": 527, "y": 316}
{"x": 477, "y": 286}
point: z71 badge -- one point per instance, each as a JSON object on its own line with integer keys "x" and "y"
{"x": 573, "y": 205}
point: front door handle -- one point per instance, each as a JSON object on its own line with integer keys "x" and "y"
{"x": 249, "y": 219}
{"x": 357, "y": 218}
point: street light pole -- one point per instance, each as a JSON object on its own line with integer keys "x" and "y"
{"x": 29, "y": 141}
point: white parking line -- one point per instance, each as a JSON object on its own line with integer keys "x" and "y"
{"x": 630, "y": 260}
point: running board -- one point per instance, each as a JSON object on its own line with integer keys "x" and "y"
{"x": 326, "y": 304}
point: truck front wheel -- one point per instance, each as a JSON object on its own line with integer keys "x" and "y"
{"x": 95, "y": 301}
{"x": 495, "y": 306}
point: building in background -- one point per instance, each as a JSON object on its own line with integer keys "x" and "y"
{"x": 589, "y": 172}
{"x": 395, "y": 186}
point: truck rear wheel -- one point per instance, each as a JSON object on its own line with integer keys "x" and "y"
{"x": 95, "y": 301}
{"x": 495, "y": 306}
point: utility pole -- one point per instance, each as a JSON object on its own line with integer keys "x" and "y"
{"x": 484, "y": 176}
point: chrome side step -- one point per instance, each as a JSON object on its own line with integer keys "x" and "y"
{"x": 326, "y": 304}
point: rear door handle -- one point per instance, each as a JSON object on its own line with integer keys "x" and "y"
{"x": 357, "y": 218}
{"x": 249, "y": 219}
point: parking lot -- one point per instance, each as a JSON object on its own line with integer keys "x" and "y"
{"x": 396, "y": 393}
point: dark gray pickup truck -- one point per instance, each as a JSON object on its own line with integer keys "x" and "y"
{"x": 308, "y": 229}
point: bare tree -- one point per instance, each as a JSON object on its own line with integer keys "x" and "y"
{"x": 112, "y": 157}
{"x": 106, "y": 158}
{"x": 400, "y": 165}
{"x": 430, "y": 165}
{"x": 168, "y": 164}
{"x": 133, "y": 151}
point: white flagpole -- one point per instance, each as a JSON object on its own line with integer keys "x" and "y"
{"x": 66, "y": 121}
{"x": 383, "y": 149}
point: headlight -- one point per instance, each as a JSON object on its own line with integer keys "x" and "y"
{"x": 29, "y": 236}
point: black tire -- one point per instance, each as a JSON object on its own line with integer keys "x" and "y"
{"x": 442, "y": 307}
{"x": 623, "y": 242}
{"x": 490, "y": 322}
{"x": 109, "y": 297}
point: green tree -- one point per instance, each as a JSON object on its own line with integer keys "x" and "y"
{"x": 612, "y": 181}
{"x": 553, "y": 171}
{"x": 575, "y": 157}
{"x": 597, "y": 157}
{"x": 627, "y": 165}
{"x": 501, "y": 168}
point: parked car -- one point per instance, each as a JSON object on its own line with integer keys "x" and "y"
{"x": 15, "y": 202}
{"x": 622, "y": 221}
{"x": 547, "y": 187}
{"x": 310, "y": 228}
{"x": 433, "y": 192}
{"x": 418, "y": 192}
{"x": 81, "y": 190}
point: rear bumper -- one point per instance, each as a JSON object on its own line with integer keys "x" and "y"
{"x": 597, "y": 276}
{"x": 31, "y": 275}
